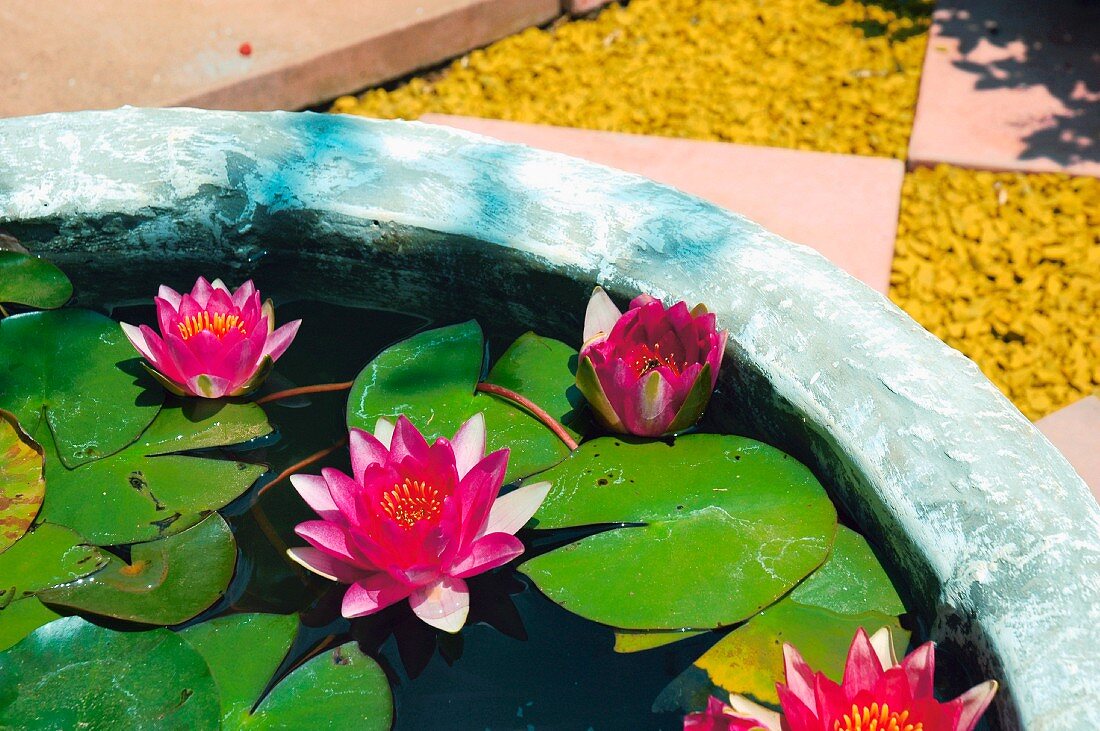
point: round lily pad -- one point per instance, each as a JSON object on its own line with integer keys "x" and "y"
{"x": 719, "y": 527}
{"x": 72, "y": 674}
{"x": 431, "y": 379}
{"x": 78, "y": 369}
{"x": 22, "y": 484}
{"x": 145, "y": 491}
{"x": 26, "y": 279}
{"x": 166, "y": 582}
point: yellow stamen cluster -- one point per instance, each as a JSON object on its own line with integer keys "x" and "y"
{"x": 876, "y": 718}
{"x": 648, "y": 359}
{"x": 411, "y": 501}
{"x": 219, "y": 324}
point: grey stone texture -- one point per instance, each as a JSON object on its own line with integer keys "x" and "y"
{"x": 993, "y": 537}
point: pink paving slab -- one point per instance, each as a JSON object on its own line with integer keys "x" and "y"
{"x": 1011, "y": 85}
{"x": 1075, "y": 430}
{"x": 96, "y": 54}
{"x": 844, "y": 206}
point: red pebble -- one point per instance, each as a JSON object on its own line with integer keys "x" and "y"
{"x": 245, "y": 49}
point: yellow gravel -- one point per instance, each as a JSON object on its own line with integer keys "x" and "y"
{"x": 1005, "y": 267}
{"x": 837, "y": 76}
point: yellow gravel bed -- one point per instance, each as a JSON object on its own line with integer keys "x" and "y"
{"x": 1005, "y": 267}
{"x": 838, "y": 76}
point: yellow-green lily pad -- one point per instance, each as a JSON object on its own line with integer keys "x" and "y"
{"x": 26, "y": 279}
{"x": 22, "y": 484}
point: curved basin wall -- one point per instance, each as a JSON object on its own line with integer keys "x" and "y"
{"x": 997, "y": 536}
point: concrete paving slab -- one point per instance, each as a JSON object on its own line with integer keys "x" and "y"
{"x": 232, "y": 54}
{"x": 844, "y": 206}
{"x": 580, "y": 7}
{"x": 1011, "y": 86}
{"x": 1075, "y": 430}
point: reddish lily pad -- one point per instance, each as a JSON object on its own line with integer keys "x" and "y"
{"x": 724, "y": 525}
{"x": 68, "y": 366}
{"x": 26, "y": 279}
{"x": 166, "y": 582}
{"x": 71, "y": 674}
{"x": 431, "y": 379}
{"x": 350, "y": 687}
{"x": 22, "y": 484}
{"x": 145, "y": 491}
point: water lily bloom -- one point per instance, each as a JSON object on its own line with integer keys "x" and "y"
{"x": 212, "y": 342}
{"x": 878, "y": 692}
{"x": 721, "y": 716}
{"x": 413, "y": 521}
{"x": 650, "y": 371}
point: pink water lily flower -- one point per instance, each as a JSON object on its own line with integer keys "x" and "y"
{"x": 650, "y": 371}
{"x": 878, "y": 693}
{"x": 720, "y": 716}
{"x": 414, "y": 520}
{"x": 212, "y": 342}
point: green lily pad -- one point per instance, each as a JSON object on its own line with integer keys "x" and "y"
{"x": 22, "y": 484}
{"x": 28, "y": 280}
{"x": 19, "y": 619}
{"x": 724, "y": 526}
{"x": 166, "y": 582}
{"x": 47, "y": 556}
{"x": 431, "y": 379}
{"x": 338, "y": 689}
{"x": 638, "y": 641}
{"x": 145, "y": 492}
{"x": 66, "y": 364}
{"x": 819, "y": 618}
{"x": 72, "y": 674}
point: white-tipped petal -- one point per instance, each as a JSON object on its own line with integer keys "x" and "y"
{"x": 383, "y": 431}
{"x": 469, "y": 444}
{"x": 512, "y": 511}
{"x": 601, "y": 314}
{"x": 883, "y": 644}
{"x": 171, "y": 296}
{"x": 742, "y": 706}
{"x": 322, "y": 564}
{"x": 314, "y": 490}
{"x": 443, "y": 604}
{"x": 219, "y": 284}
{"x": 137, "y": 339}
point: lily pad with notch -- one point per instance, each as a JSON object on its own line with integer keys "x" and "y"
{"x": 431, "y": 378}
{"x": 46, "y": 556}
{"x": 29, "y": 280}
{"x": 148, "y": 490}
{"x": 72, "y": 369}
{"x": 705, "y": 532}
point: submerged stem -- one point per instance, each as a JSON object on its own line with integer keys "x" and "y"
{"x": 3, "y": 312}
{"x": 302, "y": 390}
{"x": 315, "y": 457}
{"x": 536, "y": 411}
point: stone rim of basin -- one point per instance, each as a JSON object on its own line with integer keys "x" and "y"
{"x": 988, "y": 521}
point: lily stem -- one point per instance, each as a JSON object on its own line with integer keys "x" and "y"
{"x": 536, "y": 411}
{"x": 315, "y": 457}
{"x": 302, "y": 390}
{"x": 3, "y": 312}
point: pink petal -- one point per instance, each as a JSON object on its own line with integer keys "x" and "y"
{"x": 486, "y": 553}
{"x": 280, "y": 340}
{"x": 644, "y": 299}
{"x": 324, "y": 565}
{"x": 797, "y": 713}
{"x": 383, "y": 431}
{"x": 407, "y": 442}
{"x": 206, "y": 347}
{"x": 365, "y": 450}
{"x": 208, "y": 386}
{"x": 511, "y": 512}
{"x": 974, "y": 702}
{"x": 443, "y": 604}
{"x": 327, "y": 537}
{"x": 862, "y": 669}
{"x": 167, "y": 317}
{"x": 649, "y": 409}
{"x": 314, "y": 490}
{"x": 170, "y": 296}
{"x": 372, "y": 593}
{"x": 477, "y": 491}
{"x": 469, "y": 444}
{"x": 243, "y": 293}
{"x": 137, "y": 339}
{"x": 201, "y": 292}
{"x": 798, "y": 675}
{"x": 600, "y": 316}
{"x": 920, "y": 667}
{"x": 163, "y": 358}
{"x": 345, "y": 493}
{"x": 220, "y": 302}
{"x": 219, "y": 284}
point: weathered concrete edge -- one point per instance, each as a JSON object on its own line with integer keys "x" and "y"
{"x": 965, "y": 493}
